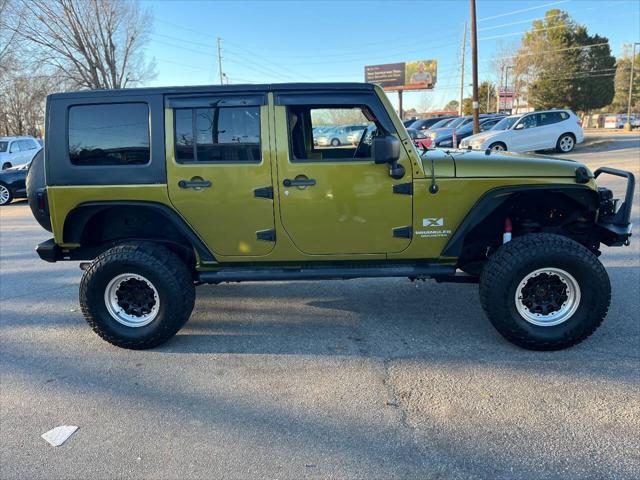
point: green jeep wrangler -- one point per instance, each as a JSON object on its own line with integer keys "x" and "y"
{"x": 163, "y": 189}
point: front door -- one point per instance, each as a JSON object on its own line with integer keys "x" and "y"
{"x": 333, "y": 198}
{"x": 219, "y": 170}
{"x": 527, "y": 137}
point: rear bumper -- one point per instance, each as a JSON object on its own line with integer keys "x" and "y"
{"x": 614, "y": 220}
{"x": 49, "y": 251}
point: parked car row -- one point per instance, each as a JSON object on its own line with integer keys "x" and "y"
{"x": 543, "y": 130}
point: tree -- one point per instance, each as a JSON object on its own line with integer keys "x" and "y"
{"x": 22, "y": 102}
{"x": 543, "y": 62}
{"x": 452, "y": 105}
{"x": 563, "y": 66}
{"x": 621, "y": 84}
{"x": 7, "y": 36}
{"x": 89, "y": 43}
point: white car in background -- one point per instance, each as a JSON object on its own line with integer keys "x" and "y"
{"x": 551, "y": 129}
{"x": 16, "y": 151}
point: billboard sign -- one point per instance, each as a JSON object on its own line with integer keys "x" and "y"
{"x": 418, "y": 75}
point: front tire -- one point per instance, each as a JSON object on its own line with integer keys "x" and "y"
{"x": 137, "y": 295}
{"x": 335, "y": 142}
{"x": 545, "y": 292}
{"x": 5, "y": 194}
{"x": 6, "y": 166}
{"x": 498, "y": 147}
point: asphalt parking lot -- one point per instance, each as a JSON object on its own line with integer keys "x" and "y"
{"x": 355, "y": 379}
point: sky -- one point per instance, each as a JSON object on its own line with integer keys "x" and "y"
{"x": 332, "y": 41}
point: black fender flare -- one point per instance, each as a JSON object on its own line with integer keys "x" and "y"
{"x": 494, "y": 198}
{"x": 79, "y": 216}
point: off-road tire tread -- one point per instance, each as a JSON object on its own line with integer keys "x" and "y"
{"x": 154, "y": 256}
{"x": 513, "y": 253}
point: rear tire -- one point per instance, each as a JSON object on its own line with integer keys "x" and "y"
{"x": 137, "y": 295}
{"x": 566, "y": 143}
{"x": 544, "y": 291}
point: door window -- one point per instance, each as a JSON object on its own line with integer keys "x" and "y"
{"x": 26, "y": 145}
{"x": 530, "y": 121}
{"x": 214, "y": 135}
{"x": 549, "y": 118}
{"x": 330, "y": 133}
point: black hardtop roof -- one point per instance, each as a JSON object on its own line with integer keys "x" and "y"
{"x": 217, "y": 89}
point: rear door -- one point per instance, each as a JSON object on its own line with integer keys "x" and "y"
{"x": 219, "y": 170}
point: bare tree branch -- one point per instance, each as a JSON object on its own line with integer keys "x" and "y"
{"x": 94, "y": 43}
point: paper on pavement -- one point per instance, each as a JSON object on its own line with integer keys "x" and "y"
{"x": 59, "y": 435}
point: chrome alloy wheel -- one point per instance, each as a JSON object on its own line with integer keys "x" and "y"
{"x": 498, "y": 148}
{"x": 566, "y": 143}
{"x": 132, "y": 300}
{"x": 547, "y": 297}
{"x": 4, "y": 194}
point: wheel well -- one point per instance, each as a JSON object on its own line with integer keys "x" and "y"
{"x": 564, "y": 213}
{"x": 500, "y": 142}
{"x": 567, "y": 133}
{"x": 100, "y": 228}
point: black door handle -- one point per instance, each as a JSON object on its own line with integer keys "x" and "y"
{"x": 299, "y": 182}
{"x": 194, "y": 183}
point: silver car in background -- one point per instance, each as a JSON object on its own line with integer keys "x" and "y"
{"x": 341, "y": 135}
{"x": 15, "y": 151}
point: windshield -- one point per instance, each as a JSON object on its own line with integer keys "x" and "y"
{"x": 442, "y": 123}
{"x": 3, "y": 146}
{"x": 506, "y": 123}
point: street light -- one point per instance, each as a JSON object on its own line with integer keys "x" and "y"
{"x": 627, "y": 125}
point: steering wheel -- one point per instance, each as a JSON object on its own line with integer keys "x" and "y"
{"x": 360, "y": 143}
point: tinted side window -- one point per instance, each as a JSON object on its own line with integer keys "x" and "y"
{"x": 226, "y": 134}
{"x": 115, "y": 134}
{"x": 564, "y": 115}
{"x": 550, "y": 118}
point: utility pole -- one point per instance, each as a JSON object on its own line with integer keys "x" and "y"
{"x": 633, "y": 61}
{"x": 220, "y": 63}
{"x": 474, "y": 63}
{"x": 462, "y": 54}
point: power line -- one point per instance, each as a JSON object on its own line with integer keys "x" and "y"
{"x": 522, "y": 10}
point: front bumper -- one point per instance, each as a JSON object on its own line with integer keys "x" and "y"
{"x": 614, "y": 219}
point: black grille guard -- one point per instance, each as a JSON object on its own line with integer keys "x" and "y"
{"x": 617, "y": 227}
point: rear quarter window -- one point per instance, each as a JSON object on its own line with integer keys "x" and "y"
{"x": 110, "y": 134}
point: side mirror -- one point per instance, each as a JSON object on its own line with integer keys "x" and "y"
{"x": 385, "y": 149}
{"x": 519, "y": 126}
